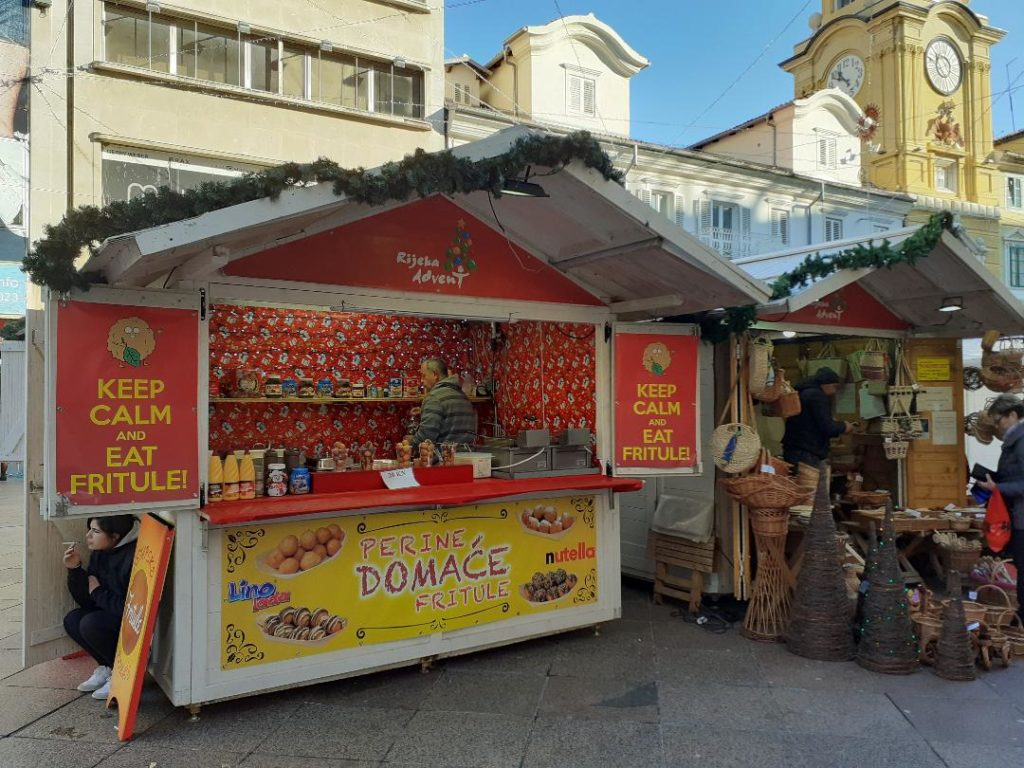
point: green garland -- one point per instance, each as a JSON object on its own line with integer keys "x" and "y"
{"x": 52, "y": 260}
{"x": 885, "y": 255}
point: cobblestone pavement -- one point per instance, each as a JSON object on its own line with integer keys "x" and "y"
{"x": 650, "y": 690}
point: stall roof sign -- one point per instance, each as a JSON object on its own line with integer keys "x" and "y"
{"x": 428, "y": 246}
{"x": 849, "y": 307}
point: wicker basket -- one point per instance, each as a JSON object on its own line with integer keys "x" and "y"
{"x": 1016, "y": 637}
{"x": 999, "y": 608}
{"x": 1003, "y": 378}
{"x": 807, "y": 477}
{"x": 736, "y": 447}
{"x": 765, "y": 491}
{"x": 869, "y": 498}
{"x": 896, "y": 450}
{"x": 788, "y": 402}
{"x": 874, "y": 363}
{"x": 960, "y": 559}
{"x": 775, "y": 390}
{"x": 972, "y": 611}
{"x": 769, "y": 522}
{"x": 759, "y": 356}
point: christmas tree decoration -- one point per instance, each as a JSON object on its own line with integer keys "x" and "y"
{"x": 820, "y": 623}
{"x": 887, "y": 640}
{"x": 954, "y": 654}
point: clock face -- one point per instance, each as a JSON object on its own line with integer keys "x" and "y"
{"x": 847, "y": 74}
{"x": 943, "y": 66}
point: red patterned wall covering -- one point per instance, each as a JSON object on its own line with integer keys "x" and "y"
{"x": 546, "y": 371}
{"x": 374, "y": 348}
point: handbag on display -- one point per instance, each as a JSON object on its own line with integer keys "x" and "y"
{"x": 901, "y": 391}
{"x": 788, "y": 404}
{"x": 759, "y": 357}
{"x": 869, "y": 405}
{"x": 874, "y": 363}
{"x": 829, "y": 358}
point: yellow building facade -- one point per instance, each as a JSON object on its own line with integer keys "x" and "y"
{"x": 922, "y": 70}
{"x": 1010, "y": 156}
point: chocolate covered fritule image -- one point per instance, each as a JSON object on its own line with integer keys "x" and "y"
{"x": 546, "y": 587}
{"x": 302, "y": 624}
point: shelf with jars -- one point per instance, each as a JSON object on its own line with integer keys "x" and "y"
{"x": 331, "y": 400}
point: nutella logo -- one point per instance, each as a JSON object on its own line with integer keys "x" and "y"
{"x": 580, "y": 552}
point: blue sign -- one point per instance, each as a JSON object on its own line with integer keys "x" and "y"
{"x": 13, "y": 289}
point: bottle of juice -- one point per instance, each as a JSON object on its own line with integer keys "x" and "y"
{"x": 230, "y": 477}
{"x": 215, "y": 487}
{"x": 247, "y": 478}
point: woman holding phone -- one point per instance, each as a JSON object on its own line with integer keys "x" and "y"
{"x": 100, "y": 591}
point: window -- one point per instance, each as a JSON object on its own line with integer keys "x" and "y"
{"x": 946, "y": 175}
{"x": 137, "y": 38}
{"x": 833, "y": 229}
{"x": 582, "y": 95}
{"x": 780, "y": 226}
{"x": 843, "y": 3}
{"x": 1015, "y": 264}
{"x": 462, "y": 95}
{"x": 826, "y": 152}
{"x": 1014, "y": 189}
{"x": 662, "y": 203}
{"x": 261, "y": 63}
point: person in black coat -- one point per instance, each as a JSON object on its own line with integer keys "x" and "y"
{"x": 1008, "y": 413}
{"x": 100, "y": 592}
{"x": 807, "y": 436}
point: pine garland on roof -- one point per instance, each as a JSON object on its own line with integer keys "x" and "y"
{"x": 52, "y": 260}
{"x": 813, "y": 268}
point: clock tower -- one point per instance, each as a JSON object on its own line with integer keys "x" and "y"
{"x": 922, "y": 67}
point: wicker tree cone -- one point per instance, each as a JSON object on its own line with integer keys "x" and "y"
{"x": 769, "y": 602}
{"x": 820, "y": 625}
{"x": 887, "y": 640}
{"x": 954, "y": 657}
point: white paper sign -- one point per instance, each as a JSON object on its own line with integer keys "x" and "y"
{"x": 944, "y": 428}
{"x": 399, "y": 478}
{"x": 935, "y": 398}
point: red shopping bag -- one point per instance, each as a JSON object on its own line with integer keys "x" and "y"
{"x": 997, "y": 523}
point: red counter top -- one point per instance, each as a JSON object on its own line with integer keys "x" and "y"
{"x": 232, "y": 512}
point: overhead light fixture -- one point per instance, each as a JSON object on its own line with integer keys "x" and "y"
{"x": 789, "y": 334}
{"x": 326, "y": 45}
{"x": 952, "y": 304}
{"x": 523, "y": 187}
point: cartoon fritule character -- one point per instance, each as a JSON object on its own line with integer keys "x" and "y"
{"x": 657, "y": 358}
{"x": 131, "y": 341}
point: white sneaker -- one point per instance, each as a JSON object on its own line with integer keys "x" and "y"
{"x": 100, "y": 676}
{"x": 103, "y": 692}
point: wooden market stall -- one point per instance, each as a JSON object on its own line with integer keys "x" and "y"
{"x": 528, "y": 297}
{"x": 916, "y": 313}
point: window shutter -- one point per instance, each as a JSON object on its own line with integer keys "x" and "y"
{"x": 780, "y": 226}
{"x": 575, "y": 93}
{"x": 745, "y": 223}
{"x": 645, "y": 196}
{"x": 680, "y": 212}
{"x": 702, "y": 216}
{"x": 589, "y": 97}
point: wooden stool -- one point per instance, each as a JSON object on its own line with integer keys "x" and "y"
{"x": 672, "y": 551}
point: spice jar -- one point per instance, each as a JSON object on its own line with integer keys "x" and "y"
{"x": 359, "y": 390}
{"x": 277, "y": 480}
{"x": 272, "y": 387}
{"x": 306, "y": 388}
{"x": 344, "y": 388}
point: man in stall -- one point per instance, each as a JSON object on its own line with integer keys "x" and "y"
{"x": 446, "y": 416}
{"x": 808, "y": 434}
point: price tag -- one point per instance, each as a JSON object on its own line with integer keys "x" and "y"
{"x": 973, "y": 626}
{"x": 399, "y": 478}
{"x": 767, "y": 469}
{"x": 972, "y": 595}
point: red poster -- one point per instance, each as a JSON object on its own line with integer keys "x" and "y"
{"x": 126, "y": 391}
{"x": 149, "y": 569}
{"x": 656, "y": 378}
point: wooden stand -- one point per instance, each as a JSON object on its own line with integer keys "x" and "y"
{"x": 769, "y": 604}
{"x": 670, "y": 551}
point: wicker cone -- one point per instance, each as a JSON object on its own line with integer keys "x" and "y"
{"x": 769, "y": 602}
{"x": 887, "y": 641}
{"x": 954, "y": 657}
{"x": 819, "y": 624}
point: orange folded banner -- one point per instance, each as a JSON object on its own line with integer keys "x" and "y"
{"x": 149, "y": 569}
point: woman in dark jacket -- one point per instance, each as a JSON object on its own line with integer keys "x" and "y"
{"x": 100, "y": 593}
{"x": 807, "y": 436}
{"x": 1008, "y": 413}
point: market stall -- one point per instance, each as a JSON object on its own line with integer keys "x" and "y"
{"x": 298, "y": 324}
{"x": 892, "y": 332}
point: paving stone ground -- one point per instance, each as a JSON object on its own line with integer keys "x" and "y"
{"x": 651, "y": 691}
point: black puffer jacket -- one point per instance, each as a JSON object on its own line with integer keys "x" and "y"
{"x": 811, "y": 430}
{"x": 113, "y": 570}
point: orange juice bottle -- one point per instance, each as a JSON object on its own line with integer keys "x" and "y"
{"x": 215, "y": 481}
{"x": 247, "y": 478}
{"x": 230, "y": 477}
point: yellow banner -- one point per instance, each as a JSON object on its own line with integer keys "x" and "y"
{"x": 297, "y": 589}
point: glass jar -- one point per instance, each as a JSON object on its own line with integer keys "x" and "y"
{"x": 307, "y": 388}
{"x": 277, "y": 480}
{"x": 298, "y": 482}
{"x": 272, "y": 387}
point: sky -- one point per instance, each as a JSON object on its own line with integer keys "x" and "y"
{"x": 698, "y": 82}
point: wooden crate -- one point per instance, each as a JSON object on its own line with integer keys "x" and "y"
{"x": 672, "y": 552}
